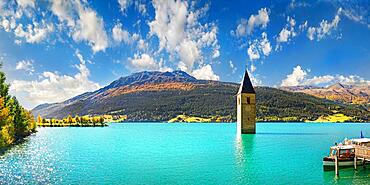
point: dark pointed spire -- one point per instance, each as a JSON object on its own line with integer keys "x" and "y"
{"x": 246, "y": 85}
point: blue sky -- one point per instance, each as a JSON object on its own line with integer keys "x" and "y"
{"x": 54, "y": 50}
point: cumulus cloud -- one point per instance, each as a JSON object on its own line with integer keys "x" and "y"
{"x": 177, "y": 27}
{"x": 246, "y": 27}
{"x": 299, "y": 76}
{"x": 26, "y": 65}
{"x": 29, "y": 22}
{"x": 284, "y": 35}
{"x": 259, "y": 47}
{"x": 288, "y": 31}
{"x": 33, "y": 33}
{"x": 253, "y": 52}
{"x": 83, "y": 22}
{"x": 89, "y": 27}
{"x": 205, "y": 73}
{"x": 324, "y": 29}
{"x": 265, "y": 44}
{"x": 189, "y": 53}
{"x": 169, "y": 23}
{"x": 144, "y": 61}
{"x": 63, "y": 10}
{"x": 120, "y": 34}
{"x": 216, "y": 53}
{"x": 295, "y": 78}
{"x": 53, "y": 87}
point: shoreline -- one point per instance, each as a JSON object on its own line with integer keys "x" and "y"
{"x": 15, "y": 143}
{"x": 72, "y": 125}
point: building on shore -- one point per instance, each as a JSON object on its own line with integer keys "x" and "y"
{"x": 246, "y": 107}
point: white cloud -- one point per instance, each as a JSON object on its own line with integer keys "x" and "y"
{"x": 299, "y": 76}
{"x": 216, "y": 53}
{"x": 259, "y": 47}
{"x": 83, "y": 22}
{"x": 189, "y": 53}
{"x": 209, "y": 38}
{"x": 34, "y": 33}
{"x": 26, "y": 65}
{"x": 146, "y": 62}
{"x": 124, "y": 4}
{"x": 324, "y": 29}
{"x": 63, "y": 10}
{"x": 287, "y": 32}
{"x": 295, "y": 78}
{"x": 233, "y": 68}
{"x": 293, "y": 4}
{"x": 26, "y": 3}
{"x": 205, "y": 73}
{"x": 6, "y": 25}
{"x": 331, "y": 79}
{"x": 253, "y": 68}
{"x": 119, "y": 34}
{"x": 53, "y": 87}
{"x": 141, "y": 7}
{"x": 169, "y": 23}
{"x": 284, "y": 35}
{"x": 253, "y": 52}
{"x": 177, "y": 27}
{"x": 255, "y": 81}
{"x": 265, "y": 44}
{"x": 356, "y": 11}
{"x": 260, "y": 20}
{"x": 90, "y": 28}
{"x": 311, "y": 33}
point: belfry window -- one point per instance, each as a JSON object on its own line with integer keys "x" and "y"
{"x": 248, "y": 100}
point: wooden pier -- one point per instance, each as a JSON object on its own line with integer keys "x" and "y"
{"x": 362, "y": 153}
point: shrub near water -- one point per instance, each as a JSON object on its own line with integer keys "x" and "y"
{"x": 15, "y": 121}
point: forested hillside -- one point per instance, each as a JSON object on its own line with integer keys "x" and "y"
{"x": 15, "y": 121}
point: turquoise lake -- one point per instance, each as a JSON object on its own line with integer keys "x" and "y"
{"x": 159, "y": 153}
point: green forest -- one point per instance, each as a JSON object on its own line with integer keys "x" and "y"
{"x": 15, "y": 121}
{"x": 208, "y": 100}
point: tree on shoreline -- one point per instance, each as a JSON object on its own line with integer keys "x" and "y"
{"x": 15, "y": 121}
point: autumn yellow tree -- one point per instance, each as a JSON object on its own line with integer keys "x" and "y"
{"x": 7, "y": 129}
{"x": 77, "y": 118}
{"x": 39, "y": 119}
{"x": 69, "y": 119}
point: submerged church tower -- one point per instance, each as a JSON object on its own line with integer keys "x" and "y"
{"x": 246, "y": 107}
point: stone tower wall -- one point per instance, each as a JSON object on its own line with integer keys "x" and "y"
{"x": 246, "y": 113}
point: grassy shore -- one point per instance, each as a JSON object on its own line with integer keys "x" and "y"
{"x": 72, "y": 124}
{"x": 335, "y": 118}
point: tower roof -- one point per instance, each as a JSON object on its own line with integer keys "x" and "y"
{"x": 246, "y": 85}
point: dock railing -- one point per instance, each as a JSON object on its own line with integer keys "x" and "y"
{"x": 362, "y": 152}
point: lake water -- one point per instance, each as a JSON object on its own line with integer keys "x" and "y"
{"x": 158, "y": 153}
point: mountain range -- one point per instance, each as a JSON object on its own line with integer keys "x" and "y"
{"x": 161, "y": 96}
{"x": 355, "y": 94}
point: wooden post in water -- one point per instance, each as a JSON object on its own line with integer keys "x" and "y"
{"x": 336, "y": 165}
{"x": 355, "y": 162}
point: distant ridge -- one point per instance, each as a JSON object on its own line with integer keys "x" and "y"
{"x": 355, "y": 94}
{"x": 161, "y": 96}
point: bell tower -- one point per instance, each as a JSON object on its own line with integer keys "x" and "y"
{"x": 246, "y": 107}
